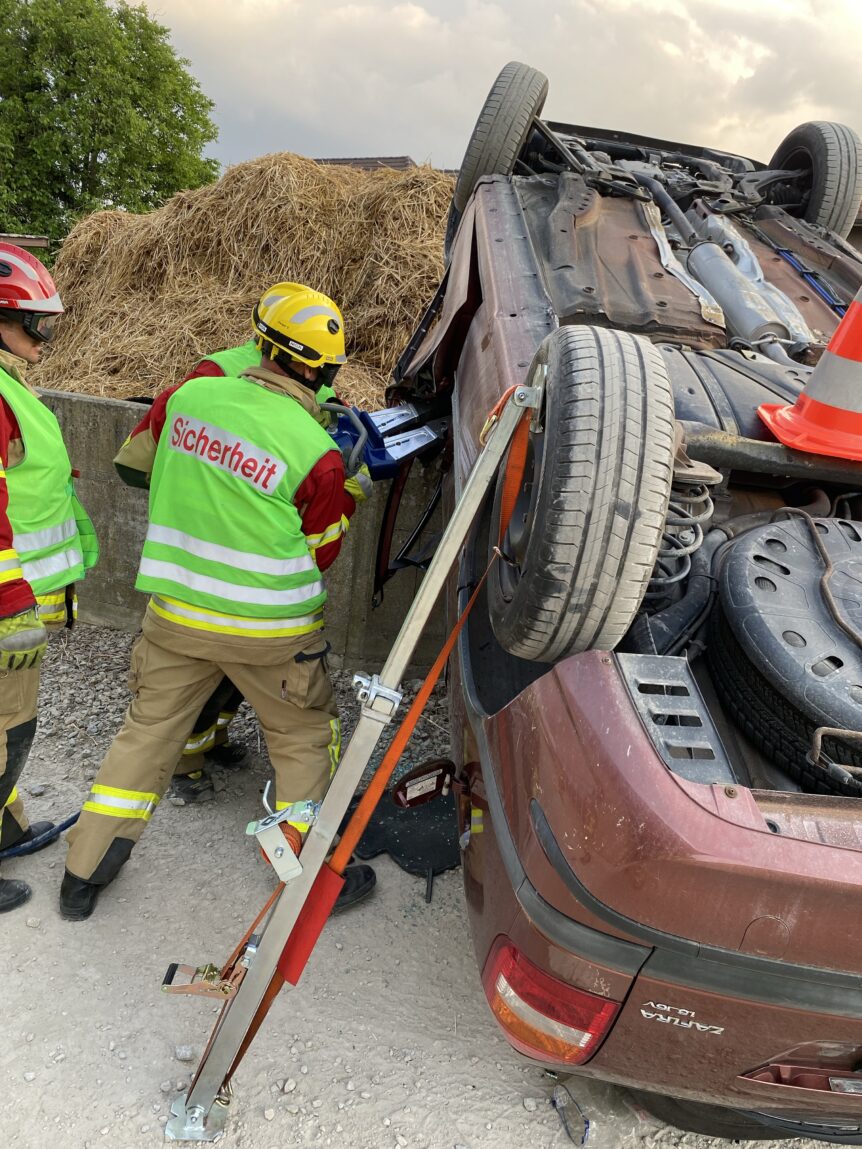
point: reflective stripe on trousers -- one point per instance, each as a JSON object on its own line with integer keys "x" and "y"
{"x": 334, "y": 747}
{"x": 53, "y": 607}
{"x": 304, "y": 812}
{"x": 117, "y": 803}
{"x": 334, "y": 750}
{"x": 200, "y": 743}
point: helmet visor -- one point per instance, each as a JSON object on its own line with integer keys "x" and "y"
{"x": 41, "y": 325}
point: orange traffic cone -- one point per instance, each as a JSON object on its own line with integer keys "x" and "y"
{"x": 826, "y": 419}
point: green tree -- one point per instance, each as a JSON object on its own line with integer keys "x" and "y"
{"x": 96, "y": 110}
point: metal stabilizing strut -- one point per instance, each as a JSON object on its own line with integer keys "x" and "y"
{"x": 201, "y": 1114}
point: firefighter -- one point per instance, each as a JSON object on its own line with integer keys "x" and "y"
{"x": 247, "y": 508}
{"x": 210, "y": 737}
{"x": 46, "y": 539}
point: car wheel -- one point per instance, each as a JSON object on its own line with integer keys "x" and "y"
{"x": 589, "y": 516}
{"x": 516, "y": 98}
{"x": 831, "y": 154}
{"x": 768, "y": 720}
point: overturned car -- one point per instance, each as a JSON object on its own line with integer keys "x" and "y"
{"x": 657, "y": 702}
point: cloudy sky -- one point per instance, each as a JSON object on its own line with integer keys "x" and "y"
{"x": 374, "y": 77}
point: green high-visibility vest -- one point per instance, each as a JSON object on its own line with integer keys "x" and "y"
{"x": 224, "y": 534}
{"x": 52, "y": 533}
{"x": 234, "y": 360}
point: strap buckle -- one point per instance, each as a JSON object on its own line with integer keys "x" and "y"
{"x": 203, "y": 980}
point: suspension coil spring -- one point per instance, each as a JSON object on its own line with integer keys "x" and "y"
{"x": 690, "y": 509}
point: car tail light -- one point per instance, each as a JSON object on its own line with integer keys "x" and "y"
{"x": 541, "y": 1015}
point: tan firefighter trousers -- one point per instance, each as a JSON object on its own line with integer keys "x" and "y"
{"x": 286, "y": 681}
{"x": 18, "y": 693}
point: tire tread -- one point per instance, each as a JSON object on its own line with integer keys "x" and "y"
{"x": 603, "y": 500}
{"x": 516, "y": 97}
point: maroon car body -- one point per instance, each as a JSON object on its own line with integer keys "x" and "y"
{"x": 623, "y": 837}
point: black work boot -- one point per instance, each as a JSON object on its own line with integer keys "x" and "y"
{"x": 194, "y": 787}
{"x": 228, "y": 755}
{"x": 359, "y": 881}
{"x": 34, "y": 831}
{"x": 13, "y": 894}
{"x": 77, "y": 898}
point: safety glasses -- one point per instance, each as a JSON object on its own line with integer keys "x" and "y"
{"x": 40, "y": 324}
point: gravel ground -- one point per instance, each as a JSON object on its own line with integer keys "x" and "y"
{"x": 386, "y": 1044}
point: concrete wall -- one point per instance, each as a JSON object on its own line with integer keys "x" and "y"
{"x": 360, "y": 637}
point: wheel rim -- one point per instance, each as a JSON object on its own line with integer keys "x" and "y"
{"x": 800, "y": 159}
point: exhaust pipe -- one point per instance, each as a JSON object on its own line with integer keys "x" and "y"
{"x": 750, "y": 316}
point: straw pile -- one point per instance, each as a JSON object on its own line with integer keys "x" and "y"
{"x": 147, "y": 296}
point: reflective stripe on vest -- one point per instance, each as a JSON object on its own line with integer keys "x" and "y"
{"x": 52, "y": 535}
{"x": 178, "y": 573}
{"x": 244, "y": 560}
{"x": 224, "y": 536}
{"x": 41, "y": 540}
{"x": 60, "y": 568}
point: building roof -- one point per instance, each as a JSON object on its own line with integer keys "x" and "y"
{"x": 370, "y": 163}
{"x": 25, "y": 240}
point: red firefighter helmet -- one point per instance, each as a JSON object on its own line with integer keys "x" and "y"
{"x": 27, "y": 292}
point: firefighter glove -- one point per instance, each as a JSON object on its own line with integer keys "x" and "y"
{"x": 359, "y": 485}
{"x": 23, "y": 640}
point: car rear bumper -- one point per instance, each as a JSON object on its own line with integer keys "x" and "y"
{"x": 697, "y": 1021}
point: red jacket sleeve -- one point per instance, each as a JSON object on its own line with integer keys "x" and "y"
{"x": 325, "y": 508}
{"x": 205, "y": 369}
{"x": 15, "y": 592}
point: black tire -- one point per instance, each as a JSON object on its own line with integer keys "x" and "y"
{"x": 516, "y": 97}
{"x": 832, "y": 154}
{"x": 587, "y": 526}
{"x": 768, "y": 720}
